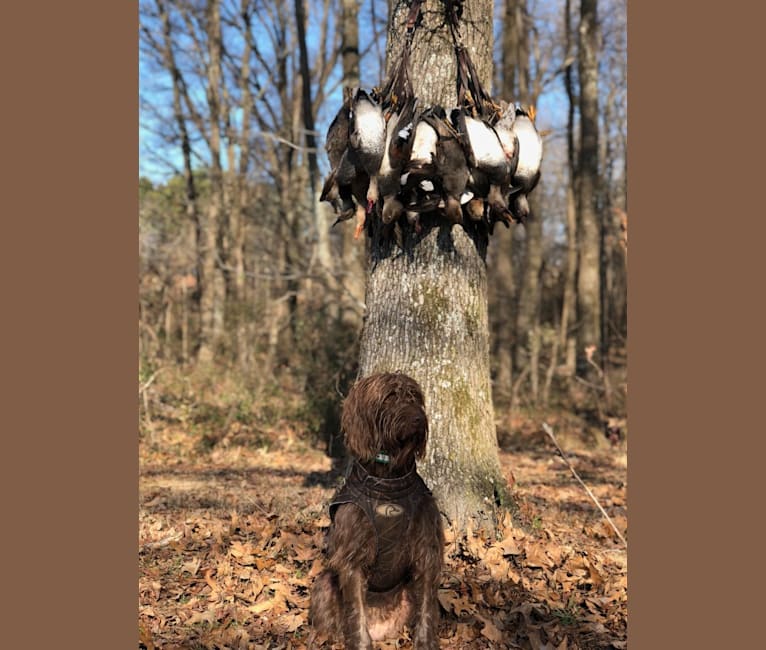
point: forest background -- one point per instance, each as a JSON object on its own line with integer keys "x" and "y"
{"x": 250, "y": 309}
{"x": 240, "y": 273}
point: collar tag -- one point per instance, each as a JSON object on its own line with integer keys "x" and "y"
{"x": 382, "y": 457}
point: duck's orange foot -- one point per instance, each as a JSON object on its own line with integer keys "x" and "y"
{"x": 359, "y": 228}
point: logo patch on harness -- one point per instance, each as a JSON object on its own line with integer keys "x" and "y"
{"x": 389, "y": 510}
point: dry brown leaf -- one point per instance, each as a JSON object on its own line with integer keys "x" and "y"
{"x": 192, "y": 566}
{"x": 304, "y": 552}
{"x": 554, "y": 553}
{"x": 510, "y": 546}
{"x": 595, "y": 576}
{"x": 536, "y": 557}
{"x": 455, "y": 603}
{"x": 293, "y": 621}
{"x": 513, "y": 575}
{"x": 474, "y": 546}
{"x": 496, "y": 563}
{"x": 322, "y": 522}
{"x": 256, "y": 585}
{"x": 244, "y": 553}
{"x": 263, "y": 606}
{"x": 145, "y": 637}
{"x": 263, "y": 563}
{"x": 316, "y": 568}
{"x": 490, "y": 630}
{"x": 210, "y": 581}
{"x": 207, "y": 616}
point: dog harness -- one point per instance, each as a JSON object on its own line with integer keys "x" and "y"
{"x": 390, "y": 505}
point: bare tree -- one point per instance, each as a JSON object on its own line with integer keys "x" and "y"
{"x": 352, "y": 254}
{"x": 589, "y": 230}
{"x": 502, "y": 298}
{"x": 567, "y": 341}
{"x": 526, "y": 49}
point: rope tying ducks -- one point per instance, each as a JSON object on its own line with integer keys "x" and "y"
{"x": 470, "y": 91}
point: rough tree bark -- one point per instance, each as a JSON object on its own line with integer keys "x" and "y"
{"x": 427, "y": 309}
{"x": 588, "y": 283}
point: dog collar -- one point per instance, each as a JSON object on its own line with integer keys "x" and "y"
{"x": 382, "y": 457}
{"x": 383, "y": 488}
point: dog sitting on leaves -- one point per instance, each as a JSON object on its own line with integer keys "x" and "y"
{"x": 385, "y": 544}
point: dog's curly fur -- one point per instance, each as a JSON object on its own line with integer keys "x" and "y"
{"x": 383, "y": 412}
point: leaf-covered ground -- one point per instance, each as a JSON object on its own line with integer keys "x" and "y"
{"x": 232, "y": 526}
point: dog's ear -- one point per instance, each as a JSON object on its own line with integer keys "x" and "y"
{"x": 422, "y": 439}
{"x": 417, "y": 418}
{"x": 358, "y": 422}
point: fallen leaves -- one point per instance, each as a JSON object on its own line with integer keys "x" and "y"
{"x": 228, "y": 555}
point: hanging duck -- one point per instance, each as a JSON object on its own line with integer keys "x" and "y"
{"x": 336, "y": 144}
{"x": 510, "y": 144}
{"x": 451, "y": 166}
{"x": 490, "y": 167}
{"x": 399, "y": 131}
{"x": 345, "y": 187}
{"x": 366, "y": 143}
{"x": 527, "y": 173}
{"x": 417, "y": 189}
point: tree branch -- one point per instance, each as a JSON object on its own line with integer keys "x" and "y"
{"x": 549, "y": 431}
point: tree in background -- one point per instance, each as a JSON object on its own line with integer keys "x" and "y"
{"x": 589, "y": 222}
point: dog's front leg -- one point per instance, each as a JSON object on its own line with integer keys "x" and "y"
{"x": 352, "y": 588}
{"x": 426, "y": 572}
{"x": 426, "y": 620}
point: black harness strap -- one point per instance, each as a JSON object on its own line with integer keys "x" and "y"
{"x": 390, "y": 505}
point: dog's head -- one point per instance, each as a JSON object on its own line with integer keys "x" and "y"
{"x": 385, "y": 413}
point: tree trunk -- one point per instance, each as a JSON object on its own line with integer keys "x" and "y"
{"x": 501, "y": 307}
{"x": 324, "y": 254}
{"x": 350, "y": 42}
{"x": 588, "y": 281}
{"x": 212, "y": 284}
{"x": 529, "y": 296}
{"x": 526, "y": 345}
{"x": 567, "y": 340}
{"x": 242, "y": 339}
{"x": 502, "y": 298}
{"x": 352, "y": 278}
{"x": 179, "y": 89}
{"x": 427, "y": 311}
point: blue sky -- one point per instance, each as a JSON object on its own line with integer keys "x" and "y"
{"x": 156, "y": 158}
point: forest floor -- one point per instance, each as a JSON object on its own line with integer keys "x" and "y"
{"x": 232, "y": 525}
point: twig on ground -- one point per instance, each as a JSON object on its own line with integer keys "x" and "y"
{"x": 142, "y": 388}
{"x": 588, "y": 384}
{"x": 143, "y": 391}
{"x": 161, "y": 542}
{"x": 549, "y": 431}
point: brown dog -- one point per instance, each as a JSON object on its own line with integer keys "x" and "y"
{"x": 385, "y": 544}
